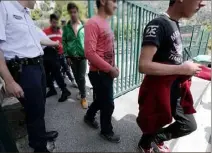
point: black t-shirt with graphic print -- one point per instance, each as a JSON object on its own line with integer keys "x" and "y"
{"x": 164, "y": 33}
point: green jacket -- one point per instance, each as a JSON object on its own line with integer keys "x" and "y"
{"x": 73, "y": 45}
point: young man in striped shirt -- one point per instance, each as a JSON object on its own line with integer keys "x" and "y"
{"x": 56, "y": 59}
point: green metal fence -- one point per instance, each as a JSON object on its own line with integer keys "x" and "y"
{"x": 128, "y": 25}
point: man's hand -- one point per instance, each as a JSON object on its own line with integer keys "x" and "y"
{"x": 13, "y": 89}
{"x": 114, "y": 72}
{"x": 190, "y": 68}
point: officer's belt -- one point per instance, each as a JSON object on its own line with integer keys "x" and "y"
{"x": 25, "y": 61}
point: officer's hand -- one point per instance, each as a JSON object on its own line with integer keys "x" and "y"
{"x": 13, "y": 89}
{"x": 57, "y": 43}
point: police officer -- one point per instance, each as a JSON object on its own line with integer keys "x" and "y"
{"x": 22, "y": 69}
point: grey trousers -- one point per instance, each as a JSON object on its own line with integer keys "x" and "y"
{"x": 79, "y": 70}
{"x": 184, "y": 123}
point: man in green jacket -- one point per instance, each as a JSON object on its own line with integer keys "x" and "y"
{"x": 73, "y": 45}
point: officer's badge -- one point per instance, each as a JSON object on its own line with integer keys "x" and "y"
{"x": 17, "y": 17}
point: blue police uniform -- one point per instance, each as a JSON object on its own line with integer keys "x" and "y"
{"x": 20, "y": 43}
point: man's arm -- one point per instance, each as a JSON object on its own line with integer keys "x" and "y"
{"x": 91, "y": 36}
{"x": 12, "y": 88}
{"x": 4, "y": 72}
{"x": 147, "y": 66}
{"x": 44, "y": 39}
{"x": 49, "y": 42}
{"x": 64, "y": 41}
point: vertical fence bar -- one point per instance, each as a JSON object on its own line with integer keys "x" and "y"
{"x": 135, "y": 46}
{"x": 191, "y": 38}
{"x": 117, "y": 48}
{"x": 200, "y": 42}
{"x": 208, "y": 37}
{"x": 138, "y": 47}
{"x": 143, "y": 26}
{"x": 123, "y": 50}
{"x": 131, "y": 50}
{"x": 90, "y": 8}
{"x": 127, "y": 42}
{"x": 112, "y": 23}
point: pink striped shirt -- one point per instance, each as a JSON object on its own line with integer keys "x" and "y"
{"x": 99, "y": 44}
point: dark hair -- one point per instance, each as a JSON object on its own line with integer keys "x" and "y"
{"x": 171, "y": 2}
{"x": 98, "y": 4}
{"x": 54, "y": 17}
{"x": 72, "y": 6}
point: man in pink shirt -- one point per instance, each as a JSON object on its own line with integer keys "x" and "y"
{"x": 99, "y": 50}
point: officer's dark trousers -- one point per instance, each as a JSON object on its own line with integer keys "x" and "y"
{"x": 32, "y": 79}
{"x": 7, "y": 143}
{"x": 103, "y": 100}
{"x": 184, "y": 123}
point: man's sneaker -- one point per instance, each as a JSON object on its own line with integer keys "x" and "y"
{"x": 84, "y": 103}
{"x": 142, "y": 150}
{"x": 65, "y": 95}
{"x": 92, "y": 123}
{"x": 111, "y": 137}
{"x": 51, "y": 92}
{"x": 161, "y": 147}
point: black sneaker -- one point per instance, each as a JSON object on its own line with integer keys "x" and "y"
{"x": 92, "y": 123}
{"x": 51, "y": 92}
{"x": 111, "y": 137}
{"x": 65, "y": 95}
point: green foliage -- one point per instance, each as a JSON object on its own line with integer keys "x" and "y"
{"x": 36, "y": 14}
{"x": 208, "y": 26}
{"x": 120, "y": 31}
{"x": 45, "y": 6}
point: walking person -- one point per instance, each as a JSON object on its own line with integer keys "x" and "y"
{"x": 73, "y": 45}
{"x": 55, "y": 34}
{"x": 99, "y": 50}
{"x": 165, "y": 91}
{"x": 21, "y": 67}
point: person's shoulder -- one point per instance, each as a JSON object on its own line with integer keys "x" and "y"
{"x": 157, "y": 21}
{"x": 93, "y": 21}
{"x": 46, "y": 30}
{"x": 4, "y": 5}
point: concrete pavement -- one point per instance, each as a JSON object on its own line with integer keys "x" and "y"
{"x": 75, "y": 136}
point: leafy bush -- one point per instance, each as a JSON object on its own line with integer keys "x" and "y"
{"x": 36, "y": 14}
{"x": 120, "y": 31}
